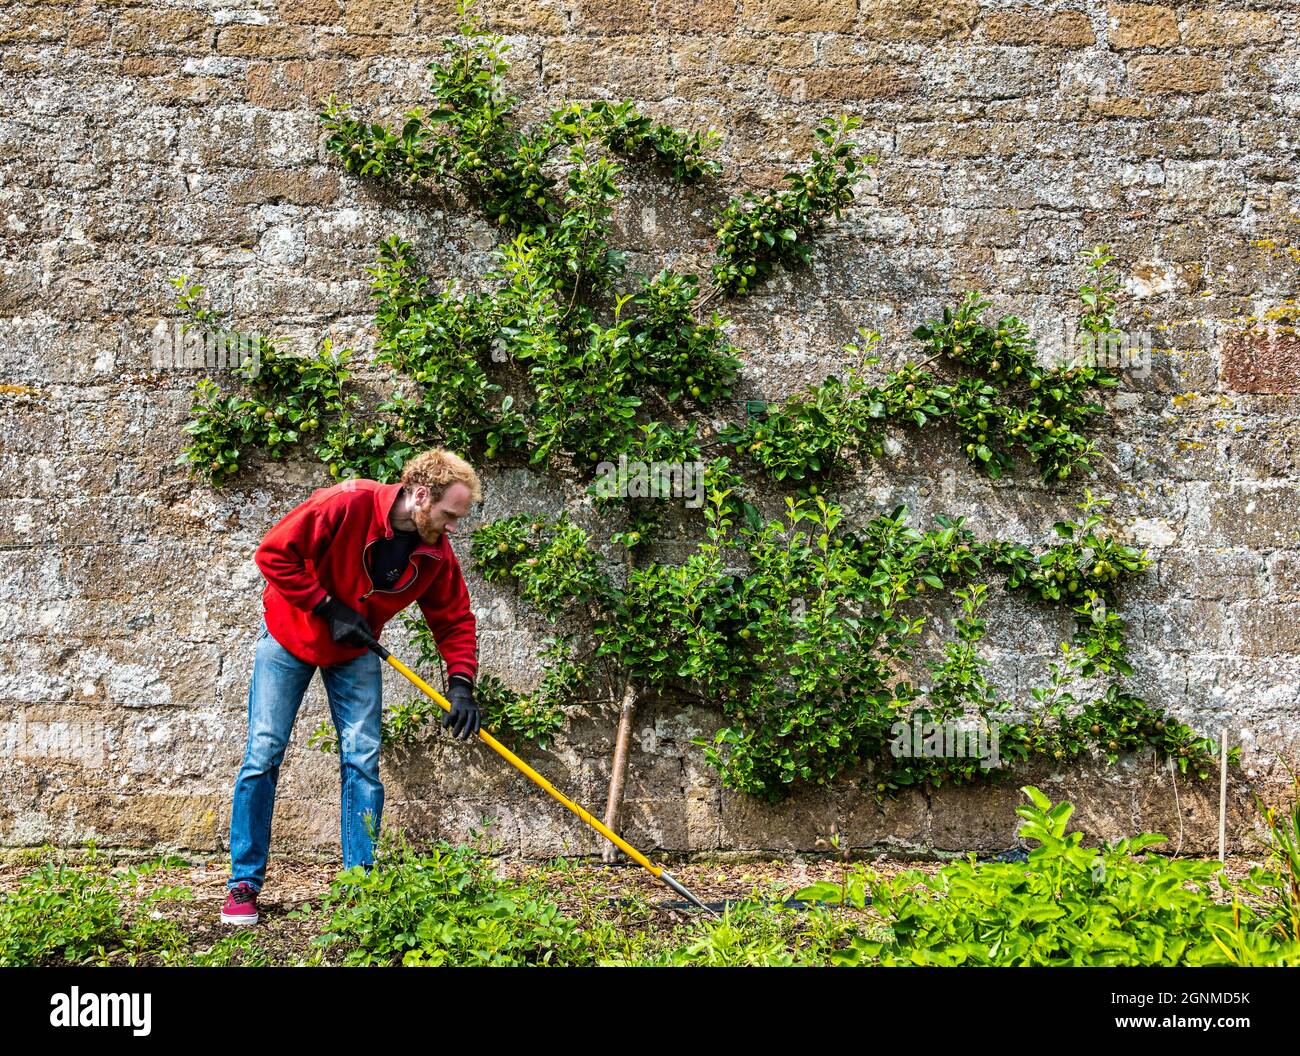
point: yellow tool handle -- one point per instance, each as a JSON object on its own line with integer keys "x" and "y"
{"x": 520, "y": 765}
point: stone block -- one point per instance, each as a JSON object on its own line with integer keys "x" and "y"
{"x": 610, "y": 67}
{"x": 295, "y": 84}
{"x": 902, "y": 822}
{"x": 309, "y": 12}
{"x": 877, "y": 81}
{"x": 1175, "y": 74}
{"x": 591, "y": 16}
{"x": 264, "y": 41}
{"x": 1065, "y": 29}
{"x": 798, "y": 16}
{"x": 1266, "y": 628}
{"x": 769, "y": 50}
{"x": 272, "y": 186}
{"x": 1185, "y": 809}
{"x": 976, "y": 817}
{"x": 1257, "y": 517}
{"x": 1212, "y": 574}
{"x": 694, "y": 16}
{"x": 1284, "y": 574}
{"x": 547, "y": 18}
{"x": 907, "y": 20}
{"x": 1217, "y": 28}
{"x": 153, "y": 820}
{"x": 384, "y": 17}
{"x": 1187, "y": 626}
{"x": 1141, "y": 26}
{"x": 794, "y": 824}
{"x": 146, "y": 32}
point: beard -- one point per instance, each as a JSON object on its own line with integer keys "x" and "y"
{"x": 423, "y": 519}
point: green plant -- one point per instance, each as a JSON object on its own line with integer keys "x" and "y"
{"x": 240, "y": 950}
{"x": 756, "y": 232}
{"x": 286, "y": 401}
{"x": 536, "y": 716}
{"x": 746, "y": 936}
{"x": 798, "y": 649}
{"x": 64, "y": 914}
{"x": 441, "y": 906}
{"x": 1003, "y": 399}
{"x": 588, "y": 374}
{"x": 1068, "y": 905}
{"x": 1083, "y": 569}
{"x": 808, "y": 435}
{"x": 1273, "y": 889}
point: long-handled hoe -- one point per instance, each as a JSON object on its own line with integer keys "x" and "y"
{"x": 657, "y": 870}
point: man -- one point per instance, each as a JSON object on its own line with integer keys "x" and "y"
{"x": 337, "y": 569}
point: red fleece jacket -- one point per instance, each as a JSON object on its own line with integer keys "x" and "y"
{"x": 320, "y": 546}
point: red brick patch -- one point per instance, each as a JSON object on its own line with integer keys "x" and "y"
{"x": 1261, "y": 362}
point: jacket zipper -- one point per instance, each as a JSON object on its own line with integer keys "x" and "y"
{"x": 365, "y": 567}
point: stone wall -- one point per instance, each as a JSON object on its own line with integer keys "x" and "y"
{"x": 145, "y": 140}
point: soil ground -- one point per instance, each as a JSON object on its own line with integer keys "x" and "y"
{"x": 632, "y": 898}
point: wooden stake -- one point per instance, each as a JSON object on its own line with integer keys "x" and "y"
{"x": 1223, "y": 791}
{"x": 618, "y": 769}
{"x": 618, "y": 765}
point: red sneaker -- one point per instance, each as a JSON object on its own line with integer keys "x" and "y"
{"x": 241, "y": 905}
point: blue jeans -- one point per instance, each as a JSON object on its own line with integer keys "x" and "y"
{"x": 279, "y": 681}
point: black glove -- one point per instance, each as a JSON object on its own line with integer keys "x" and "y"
{"x": 347, "y": 626}
{"x": 463, "y": 719}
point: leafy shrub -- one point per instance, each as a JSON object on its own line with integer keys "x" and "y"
{"x": 1068, "y": 905}
{"x": 1274, "y": 888}
{"x": 64, "y": 914}
{"x": 443, "y": 906}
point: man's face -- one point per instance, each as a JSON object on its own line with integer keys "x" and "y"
{"x": 433, "y": 516}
